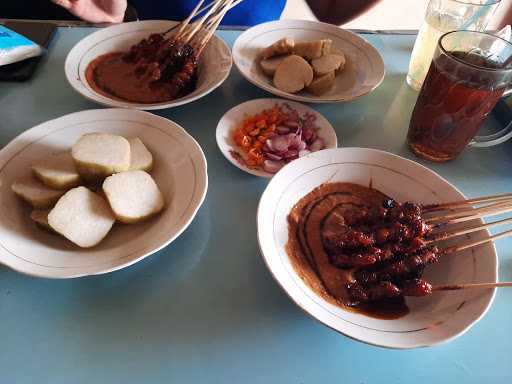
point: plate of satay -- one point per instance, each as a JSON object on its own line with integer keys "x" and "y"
{"x": 308, "y": 61}
{"x": 96, "y": 191}
{"x": 380, "y": 248}
{"x": 152, "y": 64}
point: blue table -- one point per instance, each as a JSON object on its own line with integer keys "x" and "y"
{"x": 205, "y": 309}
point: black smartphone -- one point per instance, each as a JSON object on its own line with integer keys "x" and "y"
{"x": 40, "y": 33}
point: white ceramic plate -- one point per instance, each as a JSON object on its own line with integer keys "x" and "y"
{"x": 180, "y": 172}
{"x": 232, "y": 119}
{"x": 363, "y": 72}
{"x": 433, "y": 319}
{"x": 214, "y": 64}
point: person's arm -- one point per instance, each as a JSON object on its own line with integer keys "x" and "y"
{"x": 96, "y": 11}
{"x": 339, "y": 11}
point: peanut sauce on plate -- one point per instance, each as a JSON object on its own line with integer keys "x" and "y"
{"x": 319, "y": 209}
{"x": 115, "y": 78}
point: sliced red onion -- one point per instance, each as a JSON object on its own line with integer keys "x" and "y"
{"x": 302, "y": 146}
{"x": 273, "y": 166}
{"x": 272, "y": 156}
{"x": 317, "y": 145}
{"x": 282, "y": 130}
{"x": 307, "y": 134}
{"x": 304, "y": 152}
{"x": 279, "y": 143}
{"x": 294, "y": 141}
{"x": 291, "y": 124}
{"x": 291, "y": 154}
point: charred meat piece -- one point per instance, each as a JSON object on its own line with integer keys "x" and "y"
{"x": 416, "y": 287}
{"x": 338, "y": 242}
{"x": 363, "y": 293}
{"x": 399, "y": 269}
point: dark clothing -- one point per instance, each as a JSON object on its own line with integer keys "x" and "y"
{"x": 249, "y": 12}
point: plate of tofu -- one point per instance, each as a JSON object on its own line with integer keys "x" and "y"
{"x": 308, "y": 61}
{"x": 96, "y": 191}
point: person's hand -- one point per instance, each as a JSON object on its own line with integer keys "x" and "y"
{"x": 95, "y": 11}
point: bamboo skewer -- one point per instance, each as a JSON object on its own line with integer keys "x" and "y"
{"x": 197, "y": 26}
{"x": 216, "y": 23}
{"x": 458, "y": 248}
{"x": 448, "y": 235}
{"x": 454, "y": 287}
{"x": 185, "y": 22}
{"x": 471, "y": 214}
{"x": 463, "y": 203}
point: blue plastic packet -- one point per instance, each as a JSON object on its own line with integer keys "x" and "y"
{"x": 15, "y": 47}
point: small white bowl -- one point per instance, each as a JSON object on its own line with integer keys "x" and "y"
{"x": 214, "y": 65}
{"x": 363, "y": 72}
{"x": 234, "y": 117}
{"x": 434, "y": 319}
{"x": 179, "y": 170}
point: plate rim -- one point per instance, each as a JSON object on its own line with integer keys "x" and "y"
{"x": 257, "y": 172}
{"x": 40, "y": 271}
{"x": 364, "y": 338}
{"x": 76, "y": 83}
{"x": 299, "y": 97}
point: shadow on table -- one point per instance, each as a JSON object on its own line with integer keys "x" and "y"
{"x": 184, "y": 294}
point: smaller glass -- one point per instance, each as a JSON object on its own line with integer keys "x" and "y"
{"x": 444, "y": 16}
{"x": 469, "y": 73}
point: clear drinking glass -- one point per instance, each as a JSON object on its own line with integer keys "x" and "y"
{"x": 469, "y": 73}
{"x": 444, "y": 16}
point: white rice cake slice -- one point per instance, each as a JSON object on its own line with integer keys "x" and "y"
{"x": 57, "y": 171}
{"x": 141, "y": 158}
{"x": 36, "y": 193}
{"x": 82, "y": 217}
{"x": 133, "y": 196}
{"x": 98, "y": 155}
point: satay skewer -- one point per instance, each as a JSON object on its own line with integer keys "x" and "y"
{"x": 473, "y": 244}
{"x": 413, "y": 288}
{"x": 470, "y": 214}
{"x": 455, "y": 287}
{"x": 199, "y": 12}
{"x": 465, "y": 203}
{"x": 208, "y": 36}
{"x": 459, "y": 232}
{"x": 219, "y": 4}
{"x": 185, "y": 22}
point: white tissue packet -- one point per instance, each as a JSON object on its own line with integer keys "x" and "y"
{"x": 15, "y": 47}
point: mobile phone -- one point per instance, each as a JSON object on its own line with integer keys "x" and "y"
{"x": 40, "y": 33}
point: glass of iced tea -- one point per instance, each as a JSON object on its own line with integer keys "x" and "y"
{"x": 469, "y": 73}
{"x": 444, "y": 16}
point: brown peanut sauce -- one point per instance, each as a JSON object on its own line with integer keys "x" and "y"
{"x": 113, "y": 77}
{"x": 320, "y": 209}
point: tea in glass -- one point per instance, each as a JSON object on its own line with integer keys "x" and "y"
{"x": 468, "y": 75}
